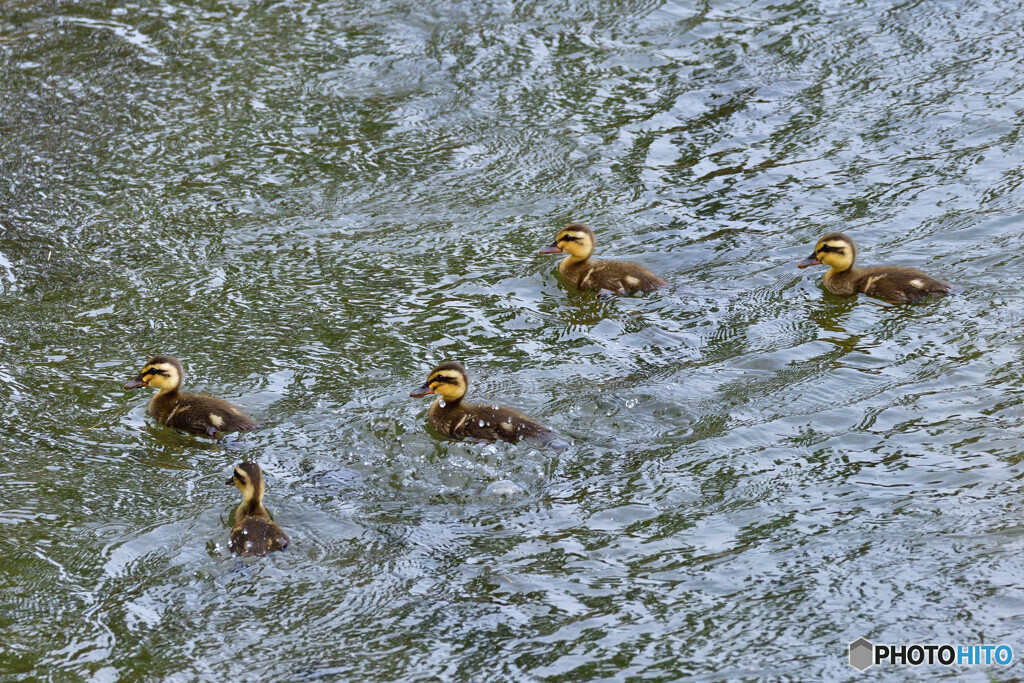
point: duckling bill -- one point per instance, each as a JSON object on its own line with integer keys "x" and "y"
{"x": 254, "y": 533}
{"x": 895, "y": 284}
{"x": 610, "y": 277}
{"x": 451, "y": 416}
{"x": 197, "y": 414}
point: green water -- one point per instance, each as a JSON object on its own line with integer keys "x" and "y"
{"x": 311, "y": 204}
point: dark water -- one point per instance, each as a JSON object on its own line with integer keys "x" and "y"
{"x": 312, "y": 203}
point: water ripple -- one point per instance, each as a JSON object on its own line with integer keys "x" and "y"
{"x": 313, "y": 203}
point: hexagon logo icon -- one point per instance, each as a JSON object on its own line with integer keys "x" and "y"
{"x": 862, "y": 654}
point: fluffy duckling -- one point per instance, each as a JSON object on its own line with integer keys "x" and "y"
{"x": 894, "y": 284}
{"x": 254, "y": 532}
{"x": 454, "y": 418}
{"x": 194, "y": 413}
{"x": 610, "y": 277}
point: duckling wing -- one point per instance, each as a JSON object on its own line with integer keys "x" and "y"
{"x": 900, "y": 285}
{"x": 256, "y": 536}
{"x": 184, "y": 416}
{"x": 234, "y": 419}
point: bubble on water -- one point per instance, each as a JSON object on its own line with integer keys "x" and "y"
{"x": 558, "y": 443}
{"x": 503, "y": 487}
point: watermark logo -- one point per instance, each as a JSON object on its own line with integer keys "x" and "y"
{"x": 864, "y": 653}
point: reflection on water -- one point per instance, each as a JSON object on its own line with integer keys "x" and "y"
{"x": 312, "y": 204}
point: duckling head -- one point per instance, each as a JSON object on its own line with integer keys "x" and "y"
{"x": 835, "y": 250}
{"x": 448, "y": 380}
{"x": 163, "y": 372}
{"x": 249, "y": 479}
{"x": 576, "y": 240}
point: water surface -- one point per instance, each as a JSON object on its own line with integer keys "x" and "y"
{"x": 311, "y": 204}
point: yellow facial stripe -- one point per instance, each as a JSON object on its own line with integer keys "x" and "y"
{"x": 833, "y": 247}
{"x": 160, "y": 369}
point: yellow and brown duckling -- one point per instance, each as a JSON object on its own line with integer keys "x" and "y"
{"x": 194, "y": 413}
{"x": 455, "y": 418}
{"x": 610, "y": 277}
{"x": 254, "y": 532}
{"x": 894, "y": 284}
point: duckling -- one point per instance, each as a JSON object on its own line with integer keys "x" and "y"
{"x": 610, "y": 277}
{"x": 197, "y": 414}
{"x": 254, "y": 532}
{"x": 454, "y": 418}
{"x": 894, "y": 284}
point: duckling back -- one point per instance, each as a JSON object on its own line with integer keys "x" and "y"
{"x": 199, "y": 414}
{"x": 490, "y": 423}
{"x": 898, "y": 284}
{"x": 618, "y": 277}
{"x": 256, "y": 536}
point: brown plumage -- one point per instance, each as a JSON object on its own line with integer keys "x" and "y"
{"x": 615, "y": 277}
{"x": 194, "y": 413}
{"x": 254, "y": 532}
{"x": 894, "y": 284}
{"x": 455, "y": 418}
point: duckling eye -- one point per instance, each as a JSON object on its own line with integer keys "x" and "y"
{"x": 442, "y": 379}
{"x": 827, "y": 248}
{"x": 568, "y": 238}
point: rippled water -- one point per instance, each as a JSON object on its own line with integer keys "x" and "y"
{"x": 313, "y": 203}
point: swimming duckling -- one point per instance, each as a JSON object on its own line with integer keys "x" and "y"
{"x": 610, "y": 277}
{"x": 254, "y": 532}
{"x": 194, "y": 413}
{"x": 454, "y": 418}
{"x": 895, "y": 284}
